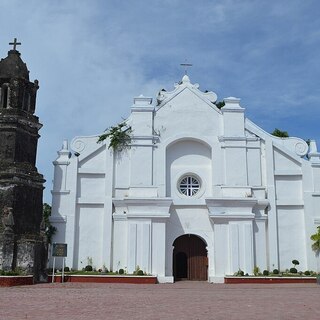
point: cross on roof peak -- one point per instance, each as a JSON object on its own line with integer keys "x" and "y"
{"x": 14, "y": 44}
{"x": 186, "y": 66}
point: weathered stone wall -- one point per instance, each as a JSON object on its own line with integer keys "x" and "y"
{"x": 27, "y": 203}
{"x": 6, "y": 251}
{"x": 22, "y": 245}
{"x": 18, "y": 136}
{"x": 26, "y": 253}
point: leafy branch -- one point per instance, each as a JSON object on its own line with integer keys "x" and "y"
{"x": 120, "y": 136}
{"x": 316, "y": 241}
{"x": 50, "y": 230}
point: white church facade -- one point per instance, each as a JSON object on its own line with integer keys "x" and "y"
{"x": 199, "y": 193}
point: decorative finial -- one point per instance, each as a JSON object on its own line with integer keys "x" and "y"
{"x": 186, "y": 66}
{"x": 185, "y": 79}
{"x": 15, "y": 43}
{"x": 65, "y": 145}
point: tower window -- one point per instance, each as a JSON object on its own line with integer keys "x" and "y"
{"x": 4, "y": 96}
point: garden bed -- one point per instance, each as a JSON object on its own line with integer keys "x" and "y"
{"x": 104, "y": 278}
{"x": 248, "y": 279}
{"x": 9, "y": 281}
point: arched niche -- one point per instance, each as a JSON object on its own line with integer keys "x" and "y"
{"x": 188, "y": 157}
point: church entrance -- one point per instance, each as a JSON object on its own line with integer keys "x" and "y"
{"x": 190, "y": 260}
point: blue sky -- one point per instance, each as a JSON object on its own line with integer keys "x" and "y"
{"x": 92, "y": 57}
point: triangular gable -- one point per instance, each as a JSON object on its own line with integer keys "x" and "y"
{"x": 165, "y": 97}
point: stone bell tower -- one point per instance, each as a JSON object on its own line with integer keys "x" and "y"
{"x": 22, "y": 243}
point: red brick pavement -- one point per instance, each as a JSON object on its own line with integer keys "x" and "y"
{"x": 183, "y": 300}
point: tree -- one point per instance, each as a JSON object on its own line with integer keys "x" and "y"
{"x": 281, "y": 134}
{"x": 50, "y": 230}
{"x": 316, "y": 241}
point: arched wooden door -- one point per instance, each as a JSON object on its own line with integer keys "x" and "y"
{"x": 190, "y": 260}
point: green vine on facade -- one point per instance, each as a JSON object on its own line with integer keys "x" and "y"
{"x": 316, "y": 241}
{"x": 120, "y": 137}
{"x": 50, "y": 230}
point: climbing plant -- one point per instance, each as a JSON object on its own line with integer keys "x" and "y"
{"x": 50, "y": 230}
{"x": 120, "y": 136}
{"x": 316, "y": 241}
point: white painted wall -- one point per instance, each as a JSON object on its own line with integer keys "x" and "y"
{"x": 258, "y": 204}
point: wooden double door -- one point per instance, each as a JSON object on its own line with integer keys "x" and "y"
{"x": 190, "y": 260}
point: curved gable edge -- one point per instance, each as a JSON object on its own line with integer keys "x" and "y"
{"x": 296, "y": 148}
{"x": 85, "y": 147}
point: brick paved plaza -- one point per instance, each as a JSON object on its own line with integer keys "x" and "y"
{"x": 183, "y": 300}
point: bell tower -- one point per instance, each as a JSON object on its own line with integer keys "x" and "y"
{"x": 21, "y": 186}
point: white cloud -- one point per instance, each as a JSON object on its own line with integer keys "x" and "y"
{"x": 93, "y": 57}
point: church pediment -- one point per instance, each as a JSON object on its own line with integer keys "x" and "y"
{"x": 164, "y": 97}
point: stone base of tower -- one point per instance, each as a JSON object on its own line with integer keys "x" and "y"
{"x": 27, "y": 255}
{"x": 23, "y": 247}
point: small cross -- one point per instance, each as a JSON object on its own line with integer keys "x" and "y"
{"x": 186, "y": 66}
{"x": 14, "y": 43}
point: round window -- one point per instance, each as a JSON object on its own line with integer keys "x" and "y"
{"x": 189, "y": 185}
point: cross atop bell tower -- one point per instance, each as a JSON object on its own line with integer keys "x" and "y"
{"x": 14, "y": 44}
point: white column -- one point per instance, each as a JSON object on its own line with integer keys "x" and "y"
{"x": 234, "y": 142}
{"x": 158, "y": 248}
{"x": 107, "y": 217}
{"x": 234, "y": 248}
{"x": 273, "y": 237}
{"x": 142, "y": 142}
{"x": 132, "y": 247}
{"x": 248, "y": 248}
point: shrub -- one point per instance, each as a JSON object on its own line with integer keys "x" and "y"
{"x": 256, "y": 270}
{"x": 136, "y": 270}
{"x": 295, "y": 263}
{"x": 9, "y": 273}
{"x": 307, "y": 273}
{"x": 265, "y": 272}
{"x": 275, "y": 271}
{"x": 293, "y": 270}
{"x": 66, "y": 269}
{"x": 140, "y": 273}
{"x": 88, "y": 268}
{"x": 121, "y": 271}
{"x": 239, "y": 273}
